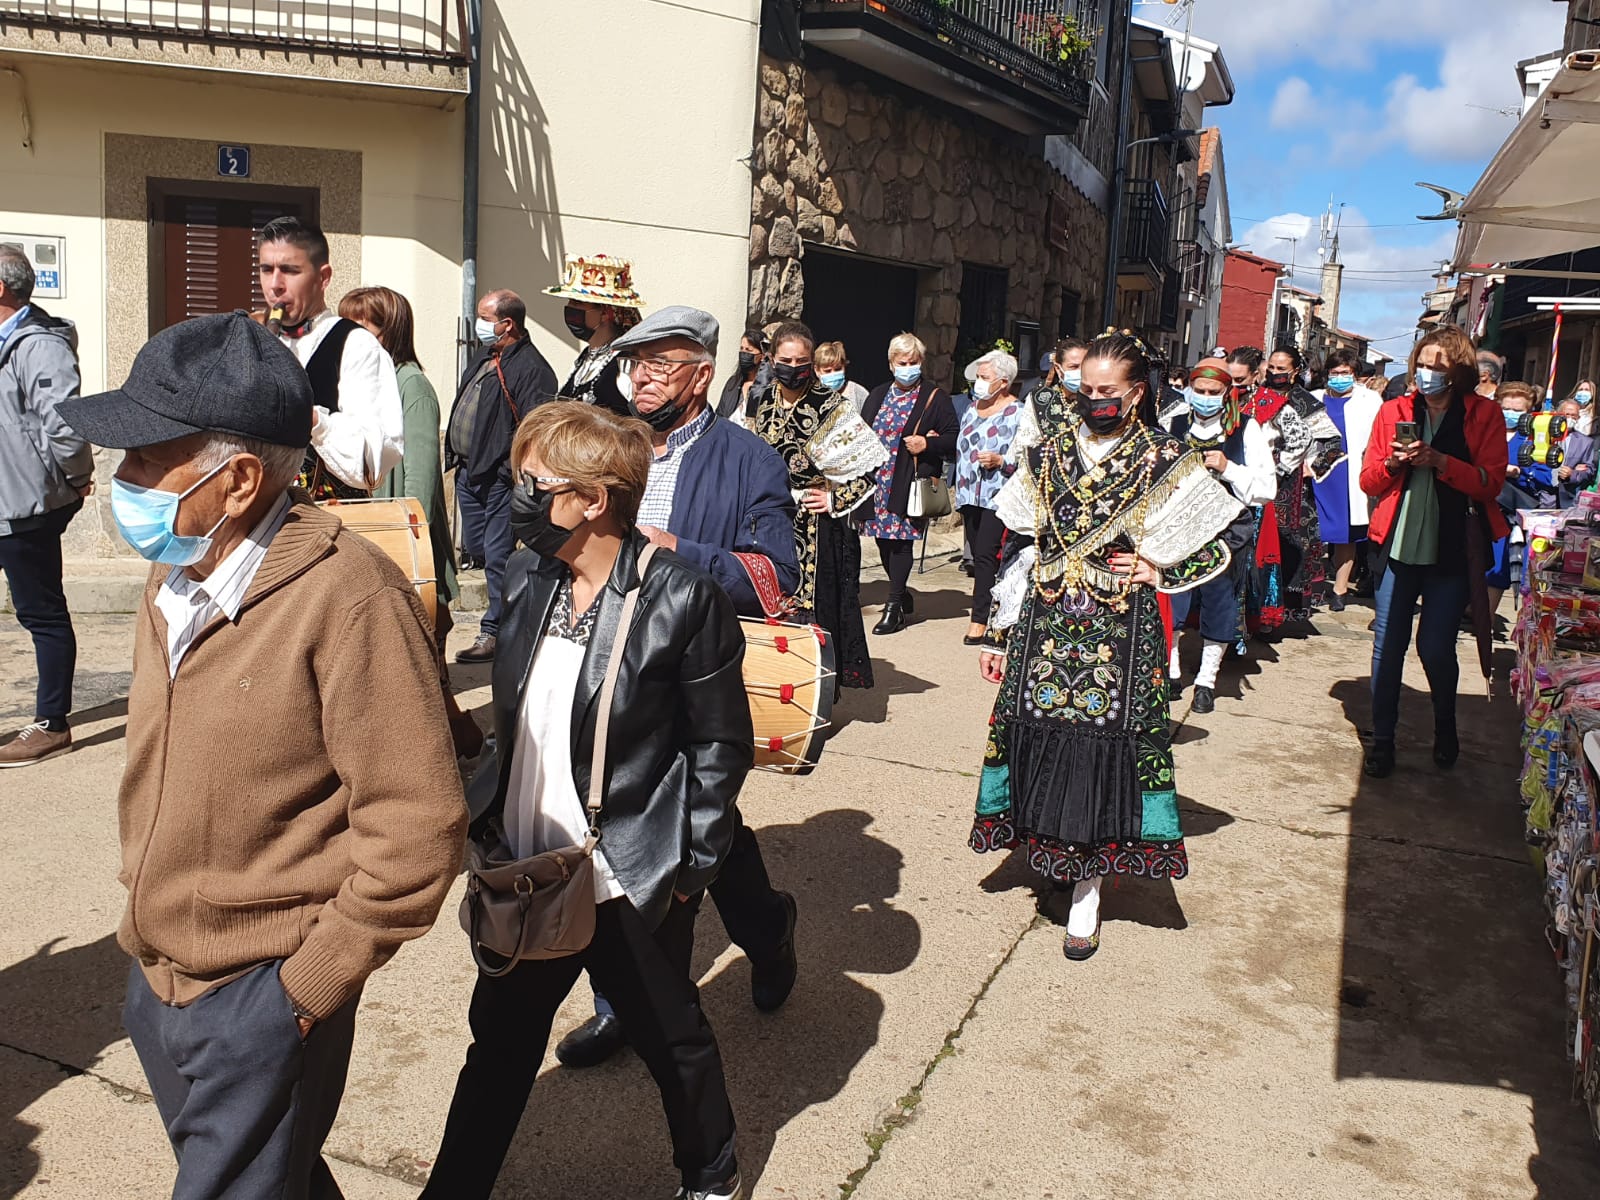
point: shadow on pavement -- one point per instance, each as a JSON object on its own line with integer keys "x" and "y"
{"x": 777, "y": 1064}
{"x": 80, "y": 990}
{"x": 871, "y": 705}
{"x": 116, "y": 710}
{"x": 1445, "y": 976}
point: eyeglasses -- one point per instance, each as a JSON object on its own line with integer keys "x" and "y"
{"x": 655, "y": 368}
{"x": 529, "y": 479}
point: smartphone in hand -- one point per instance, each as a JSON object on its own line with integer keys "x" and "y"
{"x": 1405, "y": 432}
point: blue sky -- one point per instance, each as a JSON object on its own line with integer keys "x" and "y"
{"x": 1355, "y": 100}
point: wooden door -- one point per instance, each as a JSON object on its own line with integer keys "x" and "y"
{"x": 205, "y": 243}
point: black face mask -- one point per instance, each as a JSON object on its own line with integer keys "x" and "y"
{"x": 663, "y": 419}
{"x": 1101, "y": 415}
{"x": 794, "y": 376}
{"x": 1279, "y": 380}
{"x": 747, "y": 361}
{"x": 577, "y": 322}
{"x": 531, "y": 524}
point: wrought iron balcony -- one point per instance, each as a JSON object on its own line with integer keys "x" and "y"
{"x": 1025, "y": 64}
{"x": 402, "y": 31}
{"x": 1146, "y": 236}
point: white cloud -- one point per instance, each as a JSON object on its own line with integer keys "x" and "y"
{"x": 1294, "y": 105}
{"x": 1465, "y": 57}
{"x": 1386, "y": 270}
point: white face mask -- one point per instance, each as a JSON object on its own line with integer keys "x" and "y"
{"x": 486, "y": 331}
{"x": 981, "y": 389}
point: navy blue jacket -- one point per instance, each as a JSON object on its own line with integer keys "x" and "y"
{"x": 733, "y": 494}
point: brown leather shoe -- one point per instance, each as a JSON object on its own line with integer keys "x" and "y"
{"x": 481, "y": 651}
{"x": 34, "y": 744}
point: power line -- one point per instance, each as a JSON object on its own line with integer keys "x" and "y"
{"x": 1347, "y": 224}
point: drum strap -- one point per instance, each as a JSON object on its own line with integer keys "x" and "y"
{"x": 764, "y": 579}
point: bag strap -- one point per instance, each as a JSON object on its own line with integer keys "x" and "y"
{"x": 505, "y": 390}
{"x": 602, "y": 722}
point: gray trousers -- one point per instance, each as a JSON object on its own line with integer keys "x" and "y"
{"x": 246, "y": 1103}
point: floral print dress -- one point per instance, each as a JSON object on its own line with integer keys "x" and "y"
{"x": 889, "y": 425}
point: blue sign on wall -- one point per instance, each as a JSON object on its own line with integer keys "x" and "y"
{"x": 233, "y": 161}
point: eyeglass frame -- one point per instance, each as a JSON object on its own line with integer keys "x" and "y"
{"x": 657, "y": 368}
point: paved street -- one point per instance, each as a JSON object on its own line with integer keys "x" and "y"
{"x": 1349, "y": 997}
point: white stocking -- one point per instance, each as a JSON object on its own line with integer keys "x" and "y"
{"x": 1210, "y": 663}
{"x": 1175, "y": 662}
{"x": 1085, "y": 915}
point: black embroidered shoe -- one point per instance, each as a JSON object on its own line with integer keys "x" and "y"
{"x": 1205, "y": 700}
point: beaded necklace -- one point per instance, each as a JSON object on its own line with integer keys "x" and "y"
{"x": 1126, "y": 497}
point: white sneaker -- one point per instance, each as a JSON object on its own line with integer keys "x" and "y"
{"x": 732, "y": 1190}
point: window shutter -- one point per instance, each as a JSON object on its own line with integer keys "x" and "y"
{"x": 194, "y": 282}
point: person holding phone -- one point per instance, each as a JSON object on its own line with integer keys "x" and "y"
{"x": 1433, "y": 467}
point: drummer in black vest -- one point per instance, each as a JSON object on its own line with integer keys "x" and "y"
{"x": 601, "y": 306}
{"x": 357, "y": 431}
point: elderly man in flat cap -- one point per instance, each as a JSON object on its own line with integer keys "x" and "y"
{"x": 291, "y": 811}
{"x": 719, "y": 496}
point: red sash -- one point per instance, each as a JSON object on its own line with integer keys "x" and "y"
{"x": 764, "y": 579}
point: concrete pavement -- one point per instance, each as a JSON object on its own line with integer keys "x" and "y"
{"x": 1348, "y": 997}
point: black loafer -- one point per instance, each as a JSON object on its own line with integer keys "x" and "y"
{"x": 1379, "y": 763}
{"x": 772, "y": 979}
{"x": 591, "y": 1043}
{"x": 1336, "y": 603}
{"x": 1205, "y": 700}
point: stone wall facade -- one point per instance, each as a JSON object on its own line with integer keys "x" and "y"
{"x": 850, "y": 160}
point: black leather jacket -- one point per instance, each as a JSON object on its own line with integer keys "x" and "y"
{"x": 680, "y": 744}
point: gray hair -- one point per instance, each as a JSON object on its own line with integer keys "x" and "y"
{"x": 1489, "y": 366}
{"x": 280, "y": 464}
{"x": 1004, "y": 365}
{"x": 16, "y": 272}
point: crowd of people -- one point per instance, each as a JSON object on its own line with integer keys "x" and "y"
{"x": 630, "y": 522}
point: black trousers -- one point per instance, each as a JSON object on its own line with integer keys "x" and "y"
{"x": 31, "y": 561}
{"x": 984, "y": 533}
{"x": 897, "y": 558}
{"x": 246, "y": 1102}
{"x": 657, "y": 1001}
{"x": 752, "y": 912}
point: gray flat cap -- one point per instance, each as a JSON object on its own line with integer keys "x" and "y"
{"x": 676, "y": 320}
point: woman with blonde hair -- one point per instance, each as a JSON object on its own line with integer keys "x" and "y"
{"x": 666, "y": 816}
{"x": 1434, "y": 466}
{"x": 916, "y": 423}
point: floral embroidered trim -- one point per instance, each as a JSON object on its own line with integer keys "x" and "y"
{"x": 1074, "y": 863}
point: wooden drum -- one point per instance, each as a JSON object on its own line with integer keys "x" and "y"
{"x": 788, "y": 675}
{"x": 399, "y": 528}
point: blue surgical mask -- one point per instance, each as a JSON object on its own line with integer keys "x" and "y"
{"x": 1431, "y": 382}
{"x": 147, "y": 519}
{"x": 1584, "y": 398}
{"x": 909, "y": 374}
{"x": 832, "y": 380}
{"x": 1512, "y": 416}
{"x": 1341, "y": 385}
{"x": 1204, "y": 407}
{"x": 485, "y": 331}
{"x": 1072, "y": 380}
{"x": 981, "y": 389}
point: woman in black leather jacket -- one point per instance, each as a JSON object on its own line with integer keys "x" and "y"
{"x": 677, "y": 751}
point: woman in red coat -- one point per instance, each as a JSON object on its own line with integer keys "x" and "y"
{"x": 1433, "y": 487}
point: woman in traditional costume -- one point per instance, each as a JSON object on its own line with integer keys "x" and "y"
{"x": 1299, "y": 531}
{"x": 1341, "y": 504}
{"x": 1262, "y": 602}
{"x": 832, "y": 456}
{"x": 1104, "y": 515}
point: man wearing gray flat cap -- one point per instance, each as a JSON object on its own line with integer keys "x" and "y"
{"x": 719, "y": 496}
{"x": 296, "y": 848}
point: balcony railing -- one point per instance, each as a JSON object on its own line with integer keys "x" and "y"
{"x": 1169, "y": 300}
{"x": 1194, "y": 266}
{"x": 1146, "y": 225}
{"x": 425, "y": 31}
{"x": 1019, "y": 38}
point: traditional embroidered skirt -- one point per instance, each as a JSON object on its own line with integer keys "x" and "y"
{"x": 1078, "y": 767}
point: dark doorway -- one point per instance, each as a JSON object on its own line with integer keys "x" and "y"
{"x": 862, "y": 303}
{"x": 983, "y": 310}
{"x": 203, "y": 243}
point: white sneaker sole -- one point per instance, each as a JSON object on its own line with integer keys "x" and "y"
{"x": 33, "y": 762}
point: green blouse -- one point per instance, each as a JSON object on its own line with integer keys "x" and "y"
{"x": 1416, "y": 526}
{"x": 420, "y": 472}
